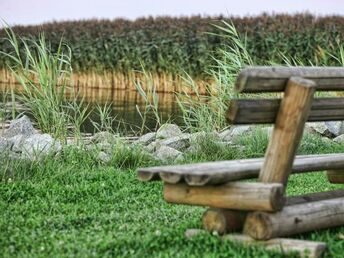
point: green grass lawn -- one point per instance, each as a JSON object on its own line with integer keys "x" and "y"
{"x": 72, "y": 206}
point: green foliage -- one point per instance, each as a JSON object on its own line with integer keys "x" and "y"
{"x": 172, "y": 45}
{"x": 43, "y": 75}
{"x": 73, "y": 206}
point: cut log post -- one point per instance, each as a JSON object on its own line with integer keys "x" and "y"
{"x": 309, "y": 249}
{"x": 225, "y": 221}
{"x": 236, "y": 195}
{"x": 220, "y": 172}
{"x": 335, "y": 176}
{"x": 171, "y": 178}
{"x": 288, "y": 129}
{"x": 295, "y": 219}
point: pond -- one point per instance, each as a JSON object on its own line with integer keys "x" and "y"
{"x": 124, "y": 105}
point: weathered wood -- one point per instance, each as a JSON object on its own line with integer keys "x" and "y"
{"x": 264, "y": 111}
{"x": 303, "y": 248}
{"x": 295, "y": 219}
{"x": 309, "y": 249}
{"x": 335, "y": 176}
{"x": 236, "y": 195}
{"x": 212, "y": 173}
{"x": 287, "y": 132}
{"x": 171, "y": 178}
{"x": 225, "y": 221}
{"x": 274, "y": 79}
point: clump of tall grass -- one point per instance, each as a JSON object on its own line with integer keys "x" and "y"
{"x": 207, "y": 112}
{"x": 43, "y": 75}
{"x": 151, "y": 100}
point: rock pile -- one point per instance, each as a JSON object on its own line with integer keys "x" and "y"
{"x": 21, "y": 141}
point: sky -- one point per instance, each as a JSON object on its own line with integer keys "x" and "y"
{"x": 38, "y": 11}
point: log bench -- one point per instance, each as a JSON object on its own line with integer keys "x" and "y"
{"x": 260, "y": 209}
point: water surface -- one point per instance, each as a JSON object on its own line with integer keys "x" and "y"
{"x": 124, "y": 105}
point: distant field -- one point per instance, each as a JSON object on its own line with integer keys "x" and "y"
{"x": 169, "y": 45}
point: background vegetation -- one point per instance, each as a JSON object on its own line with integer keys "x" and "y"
{"x": 170, "y": 45}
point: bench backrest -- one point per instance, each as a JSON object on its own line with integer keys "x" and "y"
{"x": 274, "y": 79}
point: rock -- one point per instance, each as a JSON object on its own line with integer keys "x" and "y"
{"x": 39, "y": 145}
{"x": 201, "y": 136}
{"x": 22, "y": 126}
{"x": 329, "y": 128}
{"x": 178, "y": 142}
{"x": 103, "y": 137}
{"x": 240, "y": 130}
{"x": 225, "y": 135}
{"x": 4, "y": 145}
{"x": 235, "y": 131}
{"x": 339, "y": 139}
{"x": 167, "y": 153}
{"x": 146, "y": 138}
{"x": 17, "y": 142}
{"x": 335, "y": 127}
{"x": 104, "y": 157}
{"x": 168, "y": 131}
{"x": 153, "y": 146}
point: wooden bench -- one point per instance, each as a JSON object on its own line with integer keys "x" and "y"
{"x": 260, "y": 208}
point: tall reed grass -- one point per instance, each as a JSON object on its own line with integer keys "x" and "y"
{"x": 43, "y": 75}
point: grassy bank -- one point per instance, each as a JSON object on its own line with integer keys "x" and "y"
{"x": 74, "y": 206}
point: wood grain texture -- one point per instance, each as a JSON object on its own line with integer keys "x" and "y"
{"x": 309, "y": 249}
{"x": 295, "y": 219}
{"x": 274, "y": 79}
{"x": 236, "y": 196}
{"x": 335, "y": 176}
{"x": 287, "y": 132}
{"x": 264, "y": 111}
{"x": 225, "y": 221}
{"x": 220, "y": 172}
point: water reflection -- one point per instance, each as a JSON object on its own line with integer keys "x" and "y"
{"x": 123, "y": 106}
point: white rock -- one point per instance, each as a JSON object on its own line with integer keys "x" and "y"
{"x": 178, "y": 142}
{"x": 235, "y": 131}
{"x": 39, "y": 145}
{"x": 339, "y": 139}
{"x": 320, "y": 128}
{"x": 167, "y": 153}
{"x": 240, "y": 130}
{"x": 335, "y": 127}
{"x": 168, "y": 131}
{"x": 146, "y": 138}
{"x": 4, "y": 145}
{"x": 17, "y": 142}
{"x": 104, "y": 157}
{"x": 18, "y": 126}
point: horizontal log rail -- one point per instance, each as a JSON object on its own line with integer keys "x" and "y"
{"x": 225, "y": 221}
{"x": 295, "y": 219}
{"x": 264, "y": 111}
{"x": 220, "y": 172}
{"x": 274, "y": 79}
{"x": 234, "y": 195}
